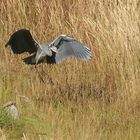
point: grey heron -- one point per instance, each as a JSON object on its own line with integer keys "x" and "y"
{"x": 51, "y": 52}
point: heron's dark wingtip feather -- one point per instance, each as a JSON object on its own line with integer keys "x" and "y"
{"x": 22, "y": 41}
{"x": 6, "y": 45}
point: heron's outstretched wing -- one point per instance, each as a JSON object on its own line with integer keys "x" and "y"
{"x": 68, "y": 46}
{"x": 58, "y": 50}
{"x": 22, "y": 41}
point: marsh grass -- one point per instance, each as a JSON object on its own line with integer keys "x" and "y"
{"x": 98, "y": 99}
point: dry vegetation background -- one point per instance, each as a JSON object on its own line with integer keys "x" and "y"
{"x": 98, "y": 99}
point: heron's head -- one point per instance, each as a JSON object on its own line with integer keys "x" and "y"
{"x": 54, "y": 49}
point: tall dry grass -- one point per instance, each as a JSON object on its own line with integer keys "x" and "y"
{"x": 98, "y": 99}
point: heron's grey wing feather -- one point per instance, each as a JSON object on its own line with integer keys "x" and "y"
{"x": 80, "y": 51}
{"x": 75, "y": 48}
{"x": 64, "y": 51}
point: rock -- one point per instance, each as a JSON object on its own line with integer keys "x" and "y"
{"x": 11, "y": 109}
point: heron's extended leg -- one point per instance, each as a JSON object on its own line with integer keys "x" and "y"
{"x": 48, "y": 76}
{"x": 40, "y": 76}
{"x": 44, "y": 73}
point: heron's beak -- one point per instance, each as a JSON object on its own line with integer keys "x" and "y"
{"x": 36, "y": 62}
{"x": 37, "y": 58}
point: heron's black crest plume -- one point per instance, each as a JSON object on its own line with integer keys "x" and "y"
{"x": 22, "y": 41}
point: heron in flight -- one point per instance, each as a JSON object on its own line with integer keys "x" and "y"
{"x": 51, "y": 52}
